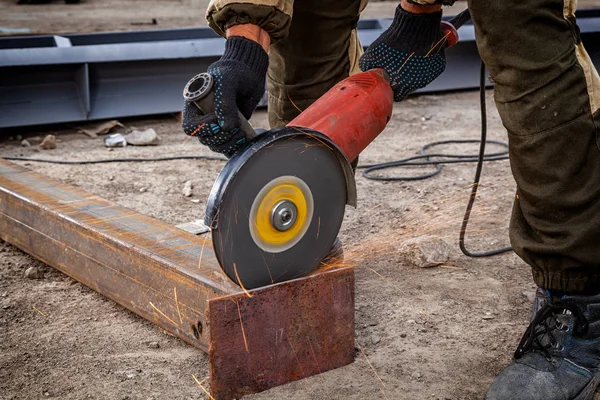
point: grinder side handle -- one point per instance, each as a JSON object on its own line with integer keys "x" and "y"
{"x": 199, "y": 90}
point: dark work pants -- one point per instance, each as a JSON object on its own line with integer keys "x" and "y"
{"x": 321, "y": 49}
{"x": 548, "y": 95}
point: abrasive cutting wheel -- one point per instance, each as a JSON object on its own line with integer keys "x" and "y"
{"x": 277, "y": 207}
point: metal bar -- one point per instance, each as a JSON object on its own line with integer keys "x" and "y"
{"x": 143, "y": 73}
{"x": 172, "y": 278}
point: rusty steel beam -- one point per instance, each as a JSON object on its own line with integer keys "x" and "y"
{"x": 255, "y": 340}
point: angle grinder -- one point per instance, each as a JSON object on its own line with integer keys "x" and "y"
{"x": 277, "y": 206}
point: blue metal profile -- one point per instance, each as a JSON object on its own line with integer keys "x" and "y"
{"x": 82, "y": 77}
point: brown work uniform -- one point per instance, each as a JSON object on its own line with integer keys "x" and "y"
{"x": 547, "y": 92}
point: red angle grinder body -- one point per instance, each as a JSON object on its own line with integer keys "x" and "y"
{"x": 352, "y": 113}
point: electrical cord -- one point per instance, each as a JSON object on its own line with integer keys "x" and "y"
{"x": 463, "y": 228}
{"x": 441, "y": 158}
{"x": 115, "y": 160}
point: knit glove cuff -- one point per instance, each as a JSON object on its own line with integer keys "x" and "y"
{"x": 417, "y": 32}
{"x": 248, "y": 52}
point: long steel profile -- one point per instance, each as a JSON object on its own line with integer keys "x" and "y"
{"x": 82, "y": 77}
{"x": 255, "y": 340}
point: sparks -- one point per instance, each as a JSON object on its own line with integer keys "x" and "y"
{"x": 177, "y": 305}
{"x": 242, "y": 325}
{"x": 240, "y": 281}
{"x": 163, "y": 314}
{"x": 374, "y": 371}
{"x": 202, "y": 387}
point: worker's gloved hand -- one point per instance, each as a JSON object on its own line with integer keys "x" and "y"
{"x": 411, "y": 51}
{"x": 239, "y": 83}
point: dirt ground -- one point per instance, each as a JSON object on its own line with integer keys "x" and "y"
{"x": 427, "y": 333}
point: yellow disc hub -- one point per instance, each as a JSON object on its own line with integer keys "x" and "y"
{"x": 286, "y": 190}
{"x": 264, "y": 216}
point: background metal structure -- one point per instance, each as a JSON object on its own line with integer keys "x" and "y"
{"x": 81, "y": 77}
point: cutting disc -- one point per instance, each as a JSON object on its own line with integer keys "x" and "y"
{"x": 281, "y": 211}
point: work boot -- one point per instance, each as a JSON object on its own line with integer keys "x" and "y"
{"x": 558, "y": 357}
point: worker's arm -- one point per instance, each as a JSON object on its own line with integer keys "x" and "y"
{"x": 239, "y": 76}
{"x": 411, "y": 50}
{"x": 273, "y": 16}
{"x": 239, "y": 84}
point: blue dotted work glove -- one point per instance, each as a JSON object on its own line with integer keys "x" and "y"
{"x": 411, "y": 51}
{"x": 239, "y": 83}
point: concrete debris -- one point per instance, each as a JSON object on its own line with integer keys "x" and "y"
{"x": 424, "y": 251}
{"x": 149, "y": 137}
{"x": 375, "y": 339}
{"x": 100, "y": 129}
{"x": 115, "y": 140}
{"x": 529, "y": 295}
{"x": 49, "y": 142}
{"x": 187, "y": 189}
{"x": 25, "y": 143}
{"x": 33, "y": 273}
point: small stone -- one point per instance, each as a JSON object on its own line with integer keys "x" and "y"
{"x": 143, "y": 138}
{"x": 143, "y": 190}
{"x": 111, "y": 178}
{"x": 195, "y": 200}
{"x": 403, "y": 335}
{"x": 417, "y": 375}
{"x": 411, "y": 321}
{"x": 47, "y": 394}
{"x": 153, "y": 345}
{"x": 6, "y": 306}
{"x": 530, "y": 295}
{"x": 49, "y": 142}
{"x": 375, "y": 339}
{"x": 187, "y": 189}
{"x": 425, "y": 251}
{"x": 25, "y": 143}
{"x": 487, "y": 316}
{"x": 33, "y": 273}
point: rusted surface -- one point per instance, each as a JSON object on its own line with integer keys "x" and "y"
{"x": 169, "y": 277}
{"x": 282, "y": 333}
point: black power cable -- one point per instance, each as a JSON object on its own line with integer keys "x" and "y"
{"x": 463, "y": 228}
{"x": 115, "y": 160}
{"x": 436, "y": 160}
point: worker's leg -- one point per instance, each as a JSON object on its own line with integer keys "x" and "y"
{"x": 322, "y": 49}
{"x": 548, "y": 95}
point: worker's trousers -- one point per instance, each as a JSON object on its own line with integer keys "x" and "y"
{"x": 548, "y": 95}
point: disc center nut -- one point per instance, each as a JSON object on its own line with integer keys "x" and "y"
{"x": 284, "y": 215}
